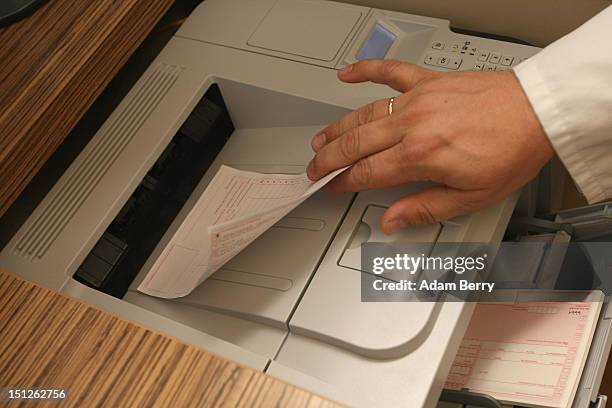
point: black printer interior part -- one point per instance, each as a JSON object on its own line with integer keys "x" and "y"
{"x": 15, "y": 10}
{"x": 490, "y": 36}
{"x": 127, "y": 243}
{"x": 468, "y": 398}
{"x": 521, "y": 225}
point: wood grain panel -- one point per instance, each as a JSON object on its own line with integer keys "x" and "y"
{"x": 53, "y": 341}
{"x": 53, "y": 65}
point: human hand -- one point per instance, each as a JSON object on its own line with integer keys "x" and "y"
{"x": 473, "y": 133}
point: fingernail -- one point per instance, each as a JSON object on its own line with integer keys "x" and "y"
{"x": 396, "y": 225}
{"x": 319, "y": 141}
{"x": 310, "y": 170}
{"x": 346, "y": 70}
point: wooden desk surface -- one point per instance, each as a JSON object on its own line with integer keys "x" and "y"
{"x": 50, "y": 340}
{"x": 53, "y": 65}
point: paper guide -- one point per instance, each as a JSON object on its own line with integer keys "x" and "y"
{"x": 236, "y": 207}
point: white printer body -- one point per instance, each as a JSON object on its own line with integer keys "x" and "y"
{"x": 287, "y": 304}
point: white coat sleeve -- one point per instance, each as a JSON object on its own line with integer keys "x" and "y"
{"x": 569, "y": 85}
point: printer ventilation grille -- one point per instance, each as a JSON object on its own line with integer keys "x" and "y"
{"x": 83, "y": 176}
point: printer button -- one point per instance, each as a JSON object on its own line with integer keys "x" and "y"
{"x": 507, "y": 60}
{"x": 430, "y": 60}
{"x": 483, "y": 56}
{"x": 455, "y": 63}
{"x": 443, "y": 61}
{"x": 479, "y": 66}
{"x": 490, "y": 67}
{"x": 494, "y": 58}
{"x": 437, "y": 45}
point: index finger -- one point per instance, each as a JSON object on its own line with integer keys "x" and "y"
{"x": 400, "y": 76}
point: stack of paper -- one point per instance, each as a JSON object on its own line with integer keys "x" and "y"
{"x": 528, "y": 353}
{"x": 236, "y": 207}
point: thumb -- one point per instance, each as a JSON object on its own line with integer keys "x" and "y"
{"x": 428, "y": 207}
{"x": 398, "y": 75}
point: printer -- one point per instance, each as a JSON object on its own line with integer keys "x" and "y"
{"x": 247, "y": 84}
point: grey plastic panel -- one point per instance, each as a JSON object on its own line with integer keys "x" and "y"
{"x": 314, "y": 31}
{"x": 332, "y": 309}
{"x": 288, "y": 28}
{"x": 228, "y": 23}
{"x": 288, "y": 105}
{"x": 368, "y": 230}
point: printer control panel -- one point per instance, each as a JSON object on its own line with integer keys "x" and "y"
{"x": 429, "y": 42}
{"x": 452, "y": 56}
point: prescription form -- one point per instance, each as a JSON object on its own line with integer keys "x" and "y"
{"x": 236, "y": 207}
{"x": 528, "y": 353}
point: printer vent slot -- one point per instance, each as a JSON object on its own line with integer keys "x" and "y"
{"x": 66, "y": 200}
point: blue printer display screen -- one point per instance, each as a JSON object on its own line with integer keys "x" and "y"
{"x": 377, "y": 44}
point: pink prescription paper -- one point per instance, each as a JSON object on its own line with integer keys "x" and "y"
{"x": 236, "y": 207}
{"x": 528, "y": 353}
